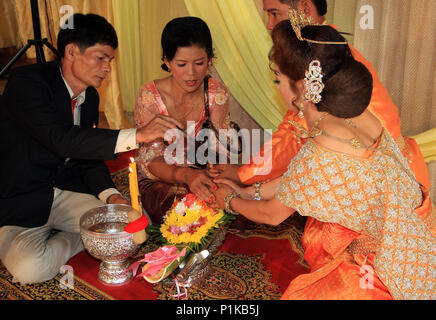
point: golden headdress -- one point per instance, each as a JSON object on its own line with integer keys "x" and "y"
{"x": 299, "y": 20}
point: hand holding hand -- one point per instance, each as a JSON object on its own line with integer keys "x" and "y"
{"x": 220, "y": 194}
{"x": 242, "y": 191}
{"x": 224, "y": 171}
{"x": 200, "y": 184}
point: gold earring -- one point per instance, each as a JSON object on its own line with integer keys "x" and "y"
{"x": 300, "y": 113}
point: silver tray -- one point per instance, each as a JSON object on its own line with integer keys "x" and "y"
{"x": 201, "y": 269}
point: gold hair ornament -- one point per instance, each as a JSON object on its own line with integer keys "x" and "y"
{"x": 314, "y": 84}
{"x": 299, "y": 20}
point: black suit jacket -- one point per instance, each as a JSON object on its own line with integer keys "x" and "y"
{"x": 37, "y": 135}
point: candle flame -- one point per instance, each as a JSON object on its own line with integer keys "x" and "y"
{"x": 132, "y": 159}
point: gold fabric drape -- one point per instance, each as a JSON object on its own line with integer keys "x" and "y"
{"x": 242, "y": 45}
{"x": 8, "y": 25}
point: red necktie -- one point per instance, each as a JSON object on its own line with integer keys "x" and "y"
{"x": 73, "y": 105}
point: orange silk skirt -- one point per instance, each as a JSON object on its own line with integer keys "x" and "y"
{"x": 336, "y": 274}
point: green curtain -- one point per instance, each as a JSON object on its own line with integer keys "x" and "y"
{"x": 242, "y": 45}
{"x": 341, "y": 13}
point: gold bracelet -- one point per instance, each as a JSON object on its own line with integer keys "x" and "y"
{"x": 227, "y": 200}
{"x": 257, "y": 191}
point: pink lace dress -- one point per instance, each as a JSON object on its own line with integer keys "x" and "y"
{"x": 157, "y": 195}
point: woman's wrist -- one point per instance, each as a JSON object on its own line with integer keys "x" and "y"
{"x": 180, "y": 175}
{"x": 247, "y": 193}
{"x": 227, "y": 202}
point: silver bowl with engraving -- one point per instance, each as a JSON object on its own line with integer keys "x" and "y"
{"x": 103, "y": 235}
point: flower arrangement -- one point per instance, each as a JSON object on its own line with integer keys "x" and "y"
{"x": 188, "y": 227}
{"x": 190, "y": 223}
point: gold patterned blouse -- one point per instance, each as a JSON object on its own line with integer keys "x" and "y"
{"x": 376, "y": 196}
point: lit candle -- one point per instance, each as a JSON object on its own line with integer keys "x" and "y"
{"x": 133, "y": 184}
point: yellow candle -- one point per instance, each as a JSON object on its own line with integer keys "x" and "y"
{"x": 133, "y": 185}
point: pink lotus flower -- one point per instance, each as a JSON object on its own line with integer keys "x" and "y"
{"x": 157, "y": 260}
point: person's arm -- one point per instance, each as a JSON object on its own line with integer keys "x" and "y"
{"x": 38, "y": 114}
{"x": 265, "y": 190}
{"x": 271, "y": 212}
{"x": 40, "y": 117}
{"x": 197, "y": 180}
{"x": 275, "y": 155}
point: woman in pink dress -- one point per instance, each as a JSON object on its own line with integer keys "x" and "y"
{"x": 188, "y": 95}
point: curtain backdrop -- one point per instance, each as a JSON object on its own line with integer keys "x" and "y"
{"x": 402, "y": 47}
{"x": 8, "y": 26}
{"x": 338, "y": 13}
{"x": 139, "y": 25}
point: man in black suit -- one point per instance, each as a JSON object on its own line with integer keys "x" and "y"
{"x": 52, "y": 169}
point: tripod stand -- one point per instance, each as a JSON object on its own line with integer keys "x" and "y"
{"x": 37, "y": 42}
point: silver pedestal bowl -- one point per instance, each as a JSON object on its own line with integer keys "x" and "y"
{"x": 103, "y": 235}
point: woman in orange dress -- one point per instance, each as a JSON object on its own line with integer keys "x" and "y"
{"x": 370, "y": 232}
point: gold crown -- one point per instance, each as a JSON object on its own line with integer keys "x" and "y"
{"x": 299, "y": 20}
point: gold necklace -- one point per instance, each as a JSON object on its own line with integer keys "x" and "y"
{"x": 303, "y": 133}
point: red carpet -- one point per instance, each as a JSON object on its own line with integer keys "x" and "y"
{"x": 278, "y": 266}
{"x": 86, "y": 268}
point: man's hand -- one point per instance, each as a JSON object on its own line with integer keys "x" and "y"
{"x": 116, "y": 199}
{"x": 156, "y": 128}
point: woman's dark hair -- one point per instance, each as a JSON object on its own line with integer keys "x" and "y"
{"x": 86, "y": 31}
{"x": 185, "y": 32}
{"x": 348, "y": 83}
{"x": 321, "y": 6}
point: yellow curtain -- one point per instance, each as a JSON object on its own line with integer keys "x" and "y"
{"x": 341, "y": 14}
{"x": 242, "y": 45}
{"x": 139, "y": 25}
{"x": 427, "y": 144}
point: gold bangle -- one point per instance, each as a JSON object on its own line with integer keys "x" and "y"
{"x": 227, "y": 200}
{"x": 257, "y": 191}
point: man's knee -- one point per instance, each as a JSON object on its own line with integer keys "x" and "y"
{"x": 28, "y": 269}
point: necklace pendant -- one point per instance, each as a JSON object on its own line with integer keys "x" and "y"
{"x": 315, "y": 132}
{"x": 355, "y": 143}
{"x": 350, "y": 123}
